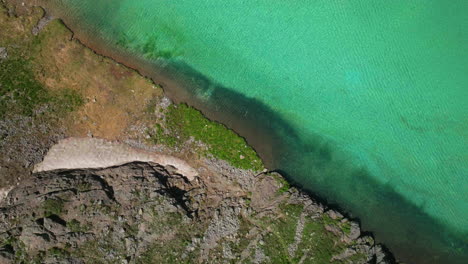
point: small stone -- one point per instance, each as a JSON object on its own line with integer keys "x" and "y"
{"x": 165, "y": 102}
{"x": 241, "y": 157}
{"x": 3, "y": 53}
{"x": 334, "y": 215}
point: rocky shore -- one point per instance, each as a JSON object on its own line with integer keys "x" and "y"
{"x": 145, "y": 213}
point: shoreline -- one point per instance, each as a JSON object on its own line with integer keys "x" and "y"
{"x": 174, "y": 80}
{"x": 181, "y": 96}
{"x": 169, "y": 86}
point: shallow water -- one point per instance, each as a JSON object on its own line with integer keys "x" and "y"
{"x": 366, "y": 99}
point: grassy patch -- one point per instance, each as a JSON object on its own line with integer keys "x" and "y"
{"x": 282, "y": 234}
{"x": 76, "y": 227}
{"x": 21, "y": 93}
{"x": 58, "y": 252}
{"x": 18, "y": 89}
{"x": 167, "y": 252}
{"x": 19, "y": 249}
{"x": 170, "y": 250}
{"x": 103, "y": 251}
{"x": 243, "y": 232}
{"x": 285, "y": 186}
{"x": 346, "y": 228}
{"x": 183, "y": 122}
{"x": 52, "y": 207}
{"x": 317, "y": 245}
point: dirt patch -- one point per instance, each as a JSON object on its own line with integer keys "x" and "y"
{"x": 116, "y": 97}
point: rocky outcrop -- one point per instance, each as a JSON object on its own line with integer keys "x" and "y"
{"x": 41, "y": 24}
{"x": 68, "y": 209}
{"x": 145, "y": 213}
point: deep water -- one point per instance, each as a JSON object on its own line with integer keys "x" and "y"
{"x": 361, "y": 102}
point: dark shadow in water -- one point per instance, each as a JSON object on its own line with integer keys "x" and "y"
{"x": 311, "y": 163}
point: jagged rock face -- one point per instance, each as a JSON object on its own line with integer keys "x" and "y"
{"x": 145, "y": 213}
{"x": 70, "y": 209}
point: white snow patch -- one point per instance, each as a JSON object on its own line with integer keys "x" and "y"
{"x": 80, "y": 153}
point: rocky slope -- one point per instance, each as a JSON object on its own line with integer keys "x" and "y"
{"x": 146, "y": 213}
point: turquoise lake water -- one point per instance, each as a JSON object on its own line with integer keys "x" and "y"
{"x": 367, "y": 99}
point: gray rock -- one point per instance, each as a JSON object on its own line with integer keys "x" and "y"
{"x": 165, "y": 102}
{"x": 41, "y": 24}
{"x": 3, "y": 53}
{"x": 381, "y": 255}
{"x": 334, "y": 214}
{"x": 54, "y": 226}
{"x": 355, "y": 231}
{"x": 124, "y": 210}
{"x": 36, "y": 238}
{"x": 54, "y": 260}
{"x": 6, "y": 256}
{"x": 344, "y": 255}
{"x": 260, "y": 257}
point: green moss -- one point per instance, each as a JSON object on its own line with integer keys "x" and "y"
{"x": 244, "y": 229}
{"x": 327, "y": 220}
{"x": 74, "y": 225}
{"x": 282, "y": 234}
{"x": 285, "y": 186}
{"x": 99, "y": 251}
{"x": 77, "y": 227}
{"x": 21, "y": 93}
{"x": 357, "y": 258}
{"x": 20, "y": 251}
{"x": 183, "y": 122}
{"x": 52, "y": 207}
{"x": 67, "y": 100}
{"x": 319, "y": 243}
{"x": 83, "y": 186}
{"x": 346, "y": 228}
{"x": 58, "y": 252}
{"x": 169, "y": 251}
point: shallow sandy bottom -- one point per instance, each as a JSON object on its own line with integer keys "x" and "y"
{"x": 80, "y": 153}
